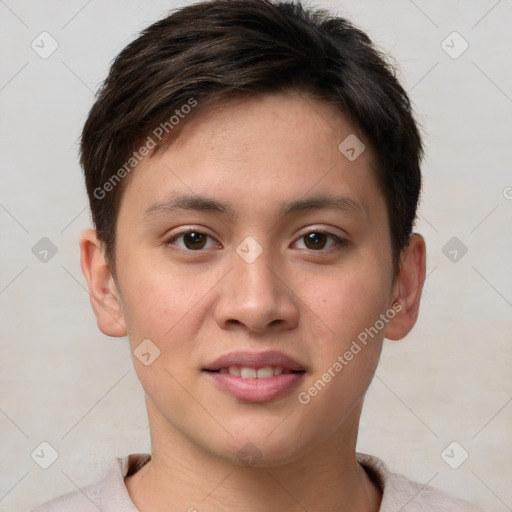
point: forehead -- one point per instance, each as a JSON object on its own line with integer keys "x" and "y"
{"x": 246, "y": 125}
{"x": 261, "y": 151}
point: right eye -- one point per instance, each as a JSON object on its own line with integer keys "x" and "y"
{"x": 193, "y": 240}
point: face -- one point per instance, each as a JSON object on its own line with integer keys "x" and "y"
{"x": 255, "y": 240}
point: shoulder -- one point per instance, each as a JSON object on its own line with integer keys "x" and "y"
{"x": 109, "y": 494}
{"x": 400, "y": 493}
{"x": 416, "y": 497}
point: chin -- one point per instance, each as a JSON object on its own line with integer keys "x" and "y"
{"x": 256, "y": 445}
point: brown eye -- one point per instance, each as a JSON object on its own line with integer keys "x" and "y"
{"x": 193, "y": 240}
{"x": 317, "y": 240}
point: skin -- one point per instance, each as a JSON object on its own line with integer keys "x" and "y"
{"x": 199, "y": 300}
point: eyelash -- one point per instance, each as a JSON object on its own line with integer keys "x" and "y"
{"x": 339, "y": 242}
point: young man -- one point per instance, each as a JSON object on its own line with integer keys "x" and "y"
{"x": 253, "y": 170}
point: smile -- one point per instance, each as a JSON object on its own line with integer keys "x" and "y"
{"x": 246, "y": 372}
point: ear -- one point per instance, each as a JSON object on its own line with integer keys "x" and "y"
{"x": 408, "y": 288}
{"x": 105, "y": 300}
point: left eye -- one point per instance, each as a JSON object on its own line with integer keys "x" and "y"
{"x": 316, "y": 240}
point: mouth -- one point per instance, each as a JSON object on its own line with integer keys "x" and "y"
{"x": 255, "y": 376}
{"x": 245, "y": 362}
{"x": 246, "y": 372}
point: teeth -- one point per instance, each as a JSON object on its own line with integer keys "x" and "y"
{"x": 248, "y": 373}
{"x": 245, "y": 372}
{"x": 234, "y": 370}
{"x": 265, "y": 373}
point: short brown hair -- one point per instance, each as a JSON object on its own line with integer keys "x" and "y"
{"x": 219, "y": 49}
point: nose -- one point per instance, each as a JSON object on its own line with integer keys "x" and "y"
{"x": 257, "y": 296}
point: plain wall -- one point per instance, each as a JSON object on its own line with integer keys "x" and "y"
{"x": 62, "y": 381}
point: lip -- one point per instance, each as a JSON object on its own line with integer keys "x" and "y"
{"x": 255, "y": 360}
{"x": 255, "y": 390}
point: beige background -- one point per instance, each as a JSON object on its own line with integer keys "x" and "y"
{"x": 65, "y": 383}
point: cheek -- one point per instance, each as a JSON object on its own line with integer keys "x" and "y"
{"x": 345, "y": 352}
{"x": 157, "y": 299}
{"x": 347, "y": 302}
{"x": 170, "y": 308}
{"x": 164, "y": 308}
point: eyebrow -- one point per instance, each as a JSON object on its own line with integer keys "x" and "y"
{"x": 192, "y": 202}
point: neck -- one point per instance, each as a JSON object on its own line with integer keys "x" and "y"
{"x": 325, "y": 477}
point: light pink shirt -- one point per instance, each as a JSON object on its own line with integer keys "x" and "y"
{"x": 399, "y": 493}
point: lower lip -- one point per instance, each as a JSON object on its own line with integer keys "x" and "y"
{"x": 256, "y": 390}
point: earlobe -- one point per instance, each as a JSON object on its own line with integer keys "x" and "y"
{"x": 105, "y": 300}
{"x": 409, "y": 286}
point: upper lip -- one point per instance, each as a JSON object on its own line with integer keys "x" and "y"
{"x": 255, "y": 360}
